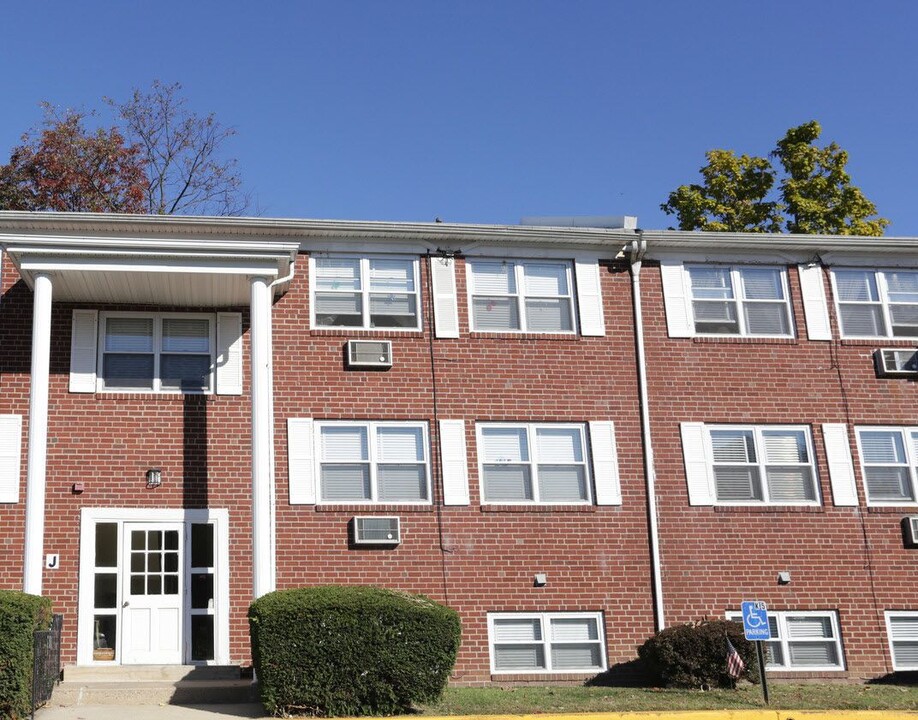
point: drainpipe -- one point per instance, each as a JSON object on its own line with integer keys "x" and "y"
{"x": 638, "y": 248}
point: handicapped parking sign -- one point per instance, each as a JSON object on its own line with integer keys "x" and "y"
{"x": 755, "y": 620}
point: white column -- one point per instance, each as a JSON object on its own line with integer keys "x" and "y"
{"x": 38, "y": 437}
{"x": 260, "y": 335}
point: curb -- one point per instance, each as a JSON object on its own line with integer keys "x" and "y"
{"x": 707, "y": 715}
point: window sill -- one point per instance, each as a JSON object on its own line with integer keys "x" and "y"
{"x": 769, "y": 509}
{"x": 174, "y": 397}
{"x": 534, "y": 508}
{"x": 526, "y": 336}
{"x": 365, "y": 332}
{"x": 742, "y": 340}
{"x": 881, "y": 342}
{"x": 891, "y": 509}
{"x": 544, "y": 677}
{"x": 380, "y": 508}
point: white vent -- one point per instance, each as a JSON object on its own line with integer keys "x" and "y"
{"x": 910, "y": 530}
{"x": 377, "y": 531}
{"x": 369, "y": 353}
{"x": 892, "y": 362}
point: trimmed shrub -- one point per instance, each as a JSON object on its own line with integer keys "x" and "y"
{"x": 350, "y": 650}
{"x": 695, "y": 655}
{"x": 20, "y": 616}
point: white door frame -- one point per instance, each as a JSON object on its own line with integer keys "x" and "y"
{"x": 220, "y": 520}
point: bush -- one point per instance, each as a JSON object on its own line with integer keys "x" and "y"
{"x": 695, "y": 655}
{"x": 20, "y": 616}
{"x": 341, "y": 650}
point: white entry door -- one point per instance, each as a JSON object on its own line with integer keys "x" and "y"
{"x": 152, "y": 592}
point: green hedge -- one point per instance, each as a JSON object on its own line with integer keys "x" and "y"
{"x": 350, "y": 650}
{"x": 695, "y": 655}
{"x": 20, "y": 616}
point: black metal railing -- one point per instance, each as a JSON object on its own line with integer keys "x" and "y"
{"x": 46, "y": 666}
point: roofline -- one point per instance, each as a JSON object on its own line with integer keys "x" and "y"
{"x": 694, "y": 240}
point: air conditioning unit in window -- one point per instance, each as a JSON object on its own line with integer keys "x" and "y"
{"x": 910, "y": 531}
{"x": 896, "y": 362}
{"x": 376, "y": 530}
{"x": 369, "y": 353}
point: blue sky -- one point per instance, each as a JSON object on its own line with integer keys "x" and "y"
{"x": 487, "y": 111}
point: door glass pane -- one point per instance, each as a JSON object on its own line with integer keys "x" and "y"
{"x": 154, "y": 540}
{"x": 202, "y": 545}
{"x": 154, "y": 585}
{"x": 138, "y": 564}
{"x": 106, "y": 587}
{"x": 137, "y": 585}
{"x": 104, "y": 639}
{"x": 106, "y": 545}
{"x": 170, "y": 585}
{"x": 202, "y": 637}
{"x": 202, "y": 591}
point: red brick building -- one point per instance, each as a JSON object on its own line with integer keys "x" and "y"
{"x": 196, "y": 411}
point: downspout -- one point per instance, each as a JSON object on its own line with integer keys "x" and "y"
{"x": 638, "y": 248}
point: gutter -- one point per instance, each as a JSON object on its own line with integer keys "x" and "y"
{"x": 637, "y": 250}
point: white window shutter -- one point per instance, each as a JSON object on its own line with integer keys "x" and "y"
{"x": 841, "y": 467}
{"x": 446, "y": 313}
{"x": 10, "y": 454}
{"x": 605, "y": 463}
{"x": 83, "y": 348}
{"x": 589, "y": 298}
{"x": 677, "y": 301}
{"x": 815, "y": 308}
{"x": 229, "y": 353}
{"x": 301, "y": 461}
{"x": 454, "y": 462}
{"x": 698, "y": 473}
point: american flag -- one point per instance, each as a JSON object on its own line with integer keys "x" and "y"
{"x": 735, "y": 664}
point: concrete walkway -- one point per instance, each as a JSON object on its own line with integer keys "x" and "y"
{"x": 218, "y": 712}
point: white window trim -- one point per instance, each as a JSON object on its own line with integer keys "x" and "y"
{"x": 530, "y": 430}
{"x": 520, "y": 297}
{"x": 736, "y": 284}
{"x": 545, "y": 620}
{"x": 784, "y": 639}
{"x": 911, "y": 450}
{"x": 883, "y": 301}
{"x": 365, "y": 292}
{"x": 889, "y": 637}
{"x": 157, "y": 318}
{"x": 372, "y": 461}
{"x": 760, "y": 463}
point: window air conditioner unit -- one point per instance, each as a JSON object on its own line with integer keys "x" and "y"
{"x": 369, "y": 353}
{"x": 910, "y": 531}
{"x": 895, "y": 362}
{"x": 377, "y": 531}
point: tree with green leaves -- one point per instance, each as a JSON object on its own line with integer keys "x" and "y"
{"x": 815, "y": 194}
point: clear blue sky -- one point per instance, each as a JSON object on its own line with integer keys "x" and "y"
{"x": 486, "y": 111}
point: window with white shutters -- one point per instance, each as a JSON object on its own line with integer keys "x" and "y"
{"x": 156, "y": 352}
{"x": 877, "y": 303}
{"x": 801, "y": 640}
{"x": 745, "y": 300}
{"x": 365, "y": 292}
{"x": 372, "y": 462}
{"x": 533, "y": 296}
{"x": 902, "y": 628}
{"x": 762, "y": 464}
{"x": 889, "y": 464}
{"x": 533, "y": 463}
{"x": 546, "y": 642}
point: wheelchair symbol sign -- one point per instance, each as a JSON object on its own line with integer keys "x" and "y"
{"x": 755, "y": 620}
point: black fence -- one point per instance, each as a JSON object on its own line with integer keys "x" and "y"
{"x": 46, "y": 667}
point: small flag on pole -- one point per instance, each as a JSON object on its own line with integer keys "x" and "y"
{"x": 735, "y": 664}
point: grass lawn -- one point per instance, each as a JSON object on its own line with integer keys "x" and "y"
{"x": 528, "y": 700}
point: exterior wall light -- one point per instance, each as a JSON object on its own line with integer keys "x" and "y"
{"x": 154, "y": 477}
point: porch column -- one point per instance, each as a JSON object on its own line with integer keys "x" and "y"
{"x": 38, "y": 437}
{"x": 263, "y": 575}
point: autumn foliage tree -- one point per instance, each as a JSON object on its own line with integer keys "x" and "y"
{"x": 815, "y": 194}
{"x": 66, "y": 167}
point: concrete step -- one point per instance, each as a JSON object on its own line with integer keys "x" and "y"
{"x": 153, "y": 685}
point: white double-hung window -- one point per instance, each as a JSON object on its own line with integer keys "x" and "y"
{"x": 365, "y": 292}
{"x": 373, "y": 462}
{"x": 156, "y": 352}
{"x": 877, "y": 303}
{"x": 533, "y": 463}
{"x": 546, "y": 642}
{"x": 802, "y": 640}
{"x": 902, "y": 628}
{"x": 743, "y": 300}
{"x": 532, "y": 296}
{"x": 889, "y": 462}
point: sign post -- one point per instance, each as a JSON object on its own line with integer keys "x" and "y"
{"x": 757, "y": 629}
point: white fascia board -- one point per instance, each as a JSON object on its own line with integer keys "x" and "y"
{"x": 659, "y": 241}
{"x": 20, "y": 241}
{"x": 162, "y": 265}
{"x": 762, "y": 256}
